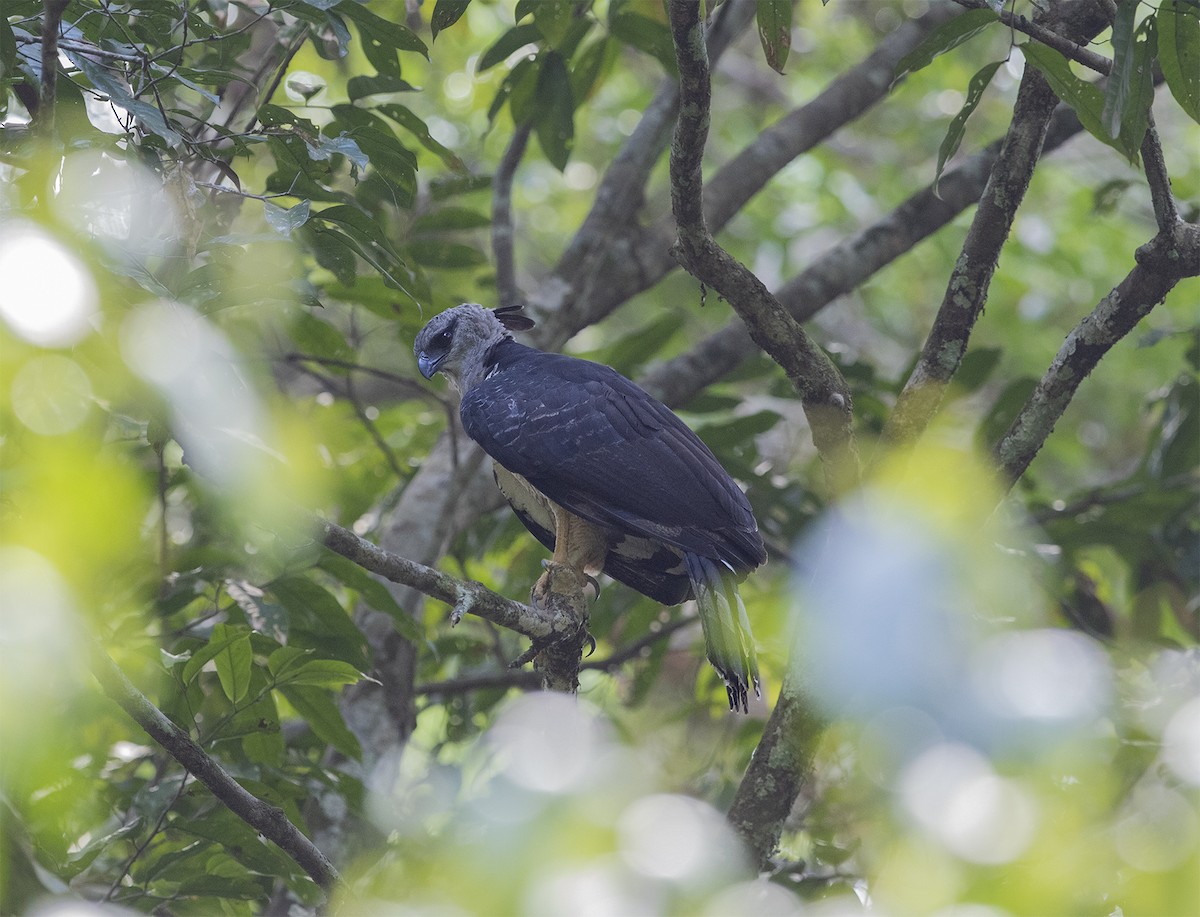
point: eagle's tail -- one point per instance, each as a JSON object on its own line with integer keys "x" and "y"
{"x": 726, "y": 627}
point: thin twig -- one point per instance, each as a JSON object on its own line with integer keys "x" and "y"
{"x": 1166, "y": 214}
{"x": 377, "y": 437}
{"x": 1064, "y": 46}
{"x": 529, "y": 680}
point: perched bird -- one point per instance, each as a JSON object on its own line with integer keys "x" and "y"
{"x": 604, "y": 475}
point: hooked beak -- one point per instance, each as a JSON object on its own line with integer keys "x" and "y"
{"x": 429, "y": 365}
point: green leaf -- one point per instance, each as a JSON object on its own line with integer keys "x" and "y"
{"x": 1085, "y": 99}
{"x": 285, "y": 220}
{"x": 1004, "y": 411}
{"x": 774, "y": 19}
{"x": 208, "y": 653}
{"x": 382, "y": 34}
{"x": 445, "y": 14}
{"x": 553, "y": 19}
{"x": 445, "y": 255}
{"x": 958, "y": 124}
{"x": 320, "y": 339}
{"x": 451, "y": 219}
{"x": 318, "y": 709}
{"x": 319, "y": 621}
{"x": 327, "y": 673}
{"x": 332, "y": 250}
{"x": 419, "y": 129}
{"x": 555, "y": 112}
{"x": 1120, "y": 77}
{"x": 589, "y": 67}
{"x": 359, "y": 87}
{"x": 374, "y": 593}
{"x": 286, "y": 659}
{"x": 233, "y": 662}
{"x": 514, "y": 39}
{"x": 739, "y": 431}
{"x": 1179, "y": 52}
{"x": 976, "y": 368}
{"x": 1136, "y": 115}
{"x": 644, "y": 34}
{"x": 945, "y": 37}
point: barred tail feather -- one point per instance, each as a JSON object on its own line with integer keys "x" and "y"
{"x": 726, "y": 627}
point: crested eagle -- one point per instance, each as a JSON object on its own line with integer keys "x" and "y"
{"x": 604, "y": 475}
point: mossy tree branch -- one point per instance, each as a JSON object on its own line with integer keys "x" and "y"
{"x": 823, "y": 392}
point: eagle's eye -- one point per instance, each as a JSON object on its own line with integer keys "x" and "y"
{"x": 443, "y": 338}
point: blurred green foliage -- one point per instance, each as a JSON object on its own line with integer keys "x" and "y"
{"x": 207, "y": 322}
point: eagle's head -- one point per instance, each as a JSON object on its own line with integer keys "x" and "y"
{"x": 456, "y": 342}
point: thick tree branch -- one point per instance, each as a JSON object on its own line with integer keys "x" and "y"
{"x": 822, "y": 390}
{"x": 781, "y": 766}
{"x": 463, "y": 597}
{"x": 967, "y": 291}
{"x": 268, "y": 820}
{"x": 508, "y": 293}
{"x": 1162, "y": 263}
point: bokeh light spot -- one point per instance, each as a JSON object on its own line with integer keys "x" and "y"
{"x": 1043, "y": 675}
{"x": 1181, "y": 742}
{"x": 672, "y": 837}
{"x": 1159, "y": 831}
{"x": 952, "y": 791}
{"x": 46, "y": 295}
{"x": 548, "y": 743}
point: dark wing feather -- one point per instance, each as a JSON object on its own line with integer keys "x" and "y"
{"x": 596, "y": 444}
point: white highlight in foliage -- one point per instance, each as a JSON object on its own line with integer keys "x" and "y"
{"x": 1158, "y": 830}
{"x": 952, "y": 792}
{"x": 46, "y": 295}
{"x": 123, "y": 205}
{"x": 547, "y": 743}
{"x": 217, "y": 416}
{"x": 1043, "y": 675}
{"x": 1181, "y": 742}
{"x": 760, "y": 898}
{"x": 39, "y": 633}
{"x": 596, "y": 890}
{"x": 673, "y": 837}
